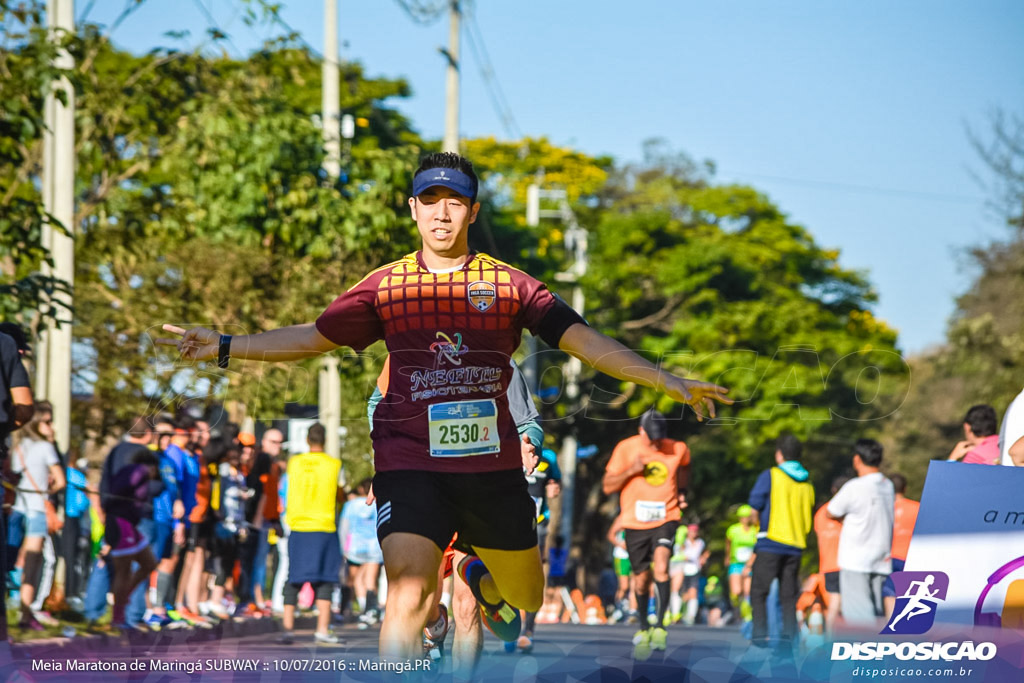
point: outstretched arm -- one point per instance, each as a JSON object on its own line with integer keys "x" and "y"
{"x": 1017, "y": 452}
{"x": 284, "y": 344}
{"x": 606, "y": 355}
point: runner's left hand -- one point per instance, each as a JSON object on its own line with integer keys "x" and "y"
{"x": 530, "y": 457}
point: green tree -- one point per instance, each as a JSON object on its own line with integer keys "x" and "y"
{"x": 27, "y": 74}
{"x": 714, "y": 281}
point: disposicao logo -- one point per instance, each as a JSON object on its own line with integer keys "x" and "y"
{"x": 917, "y": 597}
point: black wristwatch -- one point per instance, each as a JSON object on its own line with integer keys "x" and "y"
{"x": 224, "y": 351}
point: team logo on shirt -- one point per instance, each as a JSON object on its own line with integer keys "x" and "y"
{"x": 655, "y": 473}
{"x": 482, "y": 295}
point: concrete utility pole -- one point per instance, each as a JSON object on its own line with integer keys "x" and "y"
{"x": 451, "y": 103}
{"x": 53, "y": 373}
{"x": 330, "y": 382}
{"x": 575, "y": 243}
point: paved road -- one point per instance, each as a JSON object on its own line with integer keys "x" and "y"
{"x": 562, "y": 653}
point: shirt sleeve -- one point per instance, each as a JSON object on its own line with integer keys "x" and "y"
{"x": 13, "y": 369}
{"x": 545, "y": 314}
{"x": 839, "y": 506}
{"x": 351, "y": 319}
{"x": 762, "y": 489}
{"x": 520, "y": 403}
{"x": 616, "y": 463}
{"x": 50, "y": 454}
{"x": 684, "y": 456}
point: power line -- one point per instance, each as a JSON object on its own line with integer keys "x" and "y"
{"x": 423, "y": 14}
{"x": 497, "y": 96}
{"x": 220, "y": 33}
{"x": 279, "y": 20}
{"x": 863, "y": 189}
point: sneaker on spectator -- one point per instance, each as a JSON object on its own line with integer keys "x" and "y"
{"x": 326, "y": 638}
{"x": 30, "y": 624}
{"x": 157, "y": 622}
{"x": 45, "y": 618}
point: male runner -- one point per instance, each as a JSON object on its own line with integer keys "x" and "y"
{"x": 447, "y": 453}
{"x": 504, "y": 623}
{"x": 740, "y": 539}
{"x": 650, "y": 470}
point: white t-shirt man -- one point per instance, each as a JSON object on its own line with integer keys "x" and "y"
{"x": 33, "y": 460}
{"x": 1012, "y": 429}
{"x": 866, "y": 506}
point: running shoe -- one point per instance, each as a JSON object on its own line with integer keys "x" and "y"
{"x": 194, "y": 619}
{"x": 157, "y": 622}
{"x": 45, "y": 618}
{"x": 250, "y": 611}
{"x": 101, "y": 629}
{"x": 524, "y": 644}
{"x": 369, "y": 617}
{"x": 510, "y": 646}
{"x": 286, "y": 638}
{"x": 439, "y": 629}
{"x": 502, "y": 619}
{"x": 326, "y": 638}
{"x": 30, "y": 624}
{"x": 642, "y": 645}
{"x": 659, "y": 638}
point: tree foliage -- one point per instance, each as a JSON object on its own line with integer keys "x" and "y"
{"x": 714, "y": 281}
{"x": 27, "y": 74}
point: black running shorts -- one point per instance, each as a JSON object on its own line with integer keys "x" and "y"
{"x": 640, "y": 544}
{"x": 488, "y": 509}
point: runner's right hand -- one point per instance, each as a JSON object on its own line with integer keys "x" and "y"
{"x": 198, "y": 343}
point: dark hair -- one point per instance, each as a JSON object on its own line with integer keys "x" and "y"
{"x": 216, "y": 449}
{"x": 40, "y": 409}
{"x": 317, "y": 434}
{"x": 982, "y": 420}
{"x": 654, "y": 424}
{"x": 789, "y": 446}
{"x": 364, "y": 485}
{"x": 184, "y": 421}
{"x": 870, "y": 452}
{"x": 146, "y": 457}
{"x": 450, "y": 160}
{"x": 14, "y": 331}
{"x": 899, "y": 482}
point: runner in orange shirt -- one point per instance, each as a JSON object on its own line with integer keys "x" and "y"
{"x": 827, "y": 530}
{"x": 904, "y": 520}
{"x": 651, "y": 472}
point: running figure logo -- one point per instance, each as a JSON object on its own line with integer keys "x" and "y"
{"x": 918, "y": 595}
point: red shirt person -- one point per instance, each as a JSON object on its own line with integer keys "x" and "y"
{"x": 447, "y": 453}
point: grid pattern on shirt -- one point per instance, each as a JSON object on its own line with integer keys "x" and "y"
{"x": 410, "y": 298}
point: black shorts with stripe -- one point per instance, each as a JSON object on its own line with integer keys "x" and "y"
{"x": 487, "y": 509}
{"x": 640, "y": 544}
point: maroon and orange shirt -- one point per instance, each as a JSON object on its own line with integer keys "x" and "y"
{"x": 450, "y": 336}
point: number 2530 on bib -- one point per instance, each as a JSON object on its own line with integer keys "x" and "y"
{"x": 462, "y": 428}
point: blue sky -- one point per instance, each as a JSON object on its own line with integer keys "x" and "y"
{"x": 851, "y": 116}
